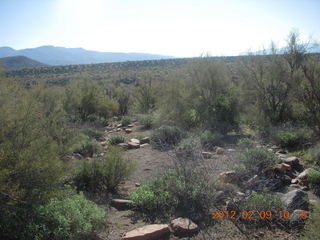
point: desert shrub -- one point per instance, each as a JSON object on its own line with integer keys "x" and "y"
{"x": 315, "y": 153}
{"x": 209, "y": 139}
{"x": 244, "y": 143}
{"x": 104, "y": 173}
{"x": 125, "y": 120}
{"x": 166, "y": 136}
{"x": 288, "y": 139}
{"x": 69, "y": 218}
{"x": 116, "y": 139}
{"x": 92, "y": 133}
{"x": 182, "y": 189}
{"x": 259, "y": 203}
{"x": 255, "y": 160}
{"x": 189, "y": 147}
{"x": 146, "y": 120}
{"x": 140, "y": 136}
{"x": 89, "y": 148}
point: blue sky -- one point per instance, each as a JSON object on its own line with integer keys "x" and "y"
{"x": 181, "y": 28}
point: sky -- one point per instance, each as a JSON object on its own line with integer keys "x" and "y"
{"x": 180, "y": 28}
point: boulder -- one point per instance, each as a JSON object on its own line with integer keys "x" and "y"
{"x": 118, "y": 129}
{"x": 183, "y": 227}
{"x": 128, "y": 130}
{"x": 130, "y": 126}
{"x": 134, "y": 140}
{"x": 121, "y": 204}
{"x": 132, "y": 145}
{"x": 145, "y": 140}
{"x": 292, "y": 161}
{"x": 298, "y": 217}
{"x": 119, "y": 125}
{"x": 303, "y": 176}
{"x": 206, "y": 155}
{"x": 149, "y": 232}
{"x": 296, "y": 199}
{"x": 227, "y": 177}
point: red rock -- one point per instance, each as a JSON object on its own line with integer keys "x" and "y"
{"x": 149, "y": 232}
{"x": 183, "y": 226}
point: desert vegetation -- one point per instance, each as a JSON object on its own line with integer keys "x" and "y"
{"x": 238, "y": 134}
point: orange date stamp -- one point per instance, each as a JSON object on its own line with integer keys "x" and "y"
{"x": 258, "y": 215}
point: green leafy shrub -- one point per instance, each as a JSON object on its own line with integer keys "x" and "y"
{"x": 255, "y": 160}
{"x": 69, "y": 218}
{"x": 92, "y": 133}
{"x": 125, "y": 120}
{"x": 104, "y": 173}
{"x": 166, "y": 136}
{"x": 89, "y": 148}
{"x": 116, "y": 139}
{"x": 244, "y": 143}
{"x": 209, "y": 139}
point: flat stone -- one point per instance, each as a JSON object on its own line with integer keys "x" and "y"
{"x": 145, "y": 140}
{"x": 128, "y": 130}
{"x": 121, "y": 204}
{"x": 134, "y": 140}
{"x": 149, "y": 232}
{"x": 130, "y": 126}
{"x": 206, "y": 155}
{"x": 132, "y": 145}
{"x": 144, "y": 145}
{"x": 119, "y": 125}
{"x": 292, "y": 161}
{"x": 183, "y": 227}
{"x": 119, "y": 129}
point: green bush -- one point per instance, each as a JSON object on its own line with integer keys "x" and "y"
{"x": 125, "y": 120}
{"x": 146, "y": 120}
{"x": 244, "y": 143}
{"x": 116, "y": 139}
{"x": 209, "y": 139}
{"x": 315, "y": 153}
{"x": 314, "y": 178}
{"x": 180, "y": 190}
{"x": 92, "y": 133}
{"x": 69, "y": 218}
{"x": 166, "y": 136}
{"x": 104, "y": 173}
{"x": 189, "y": 147}
{"x": 255, "y": 160}
{"x": 89, "y": 148}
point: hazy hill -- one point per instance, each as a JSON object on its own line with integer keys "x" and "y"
{"x": 67, "y": 56}
{"x": 19, "y": 62}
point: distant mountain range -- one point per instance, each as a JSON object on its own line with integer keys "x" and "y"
{"x": 19, "y": 62}
{"x": 67, "y": 56}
